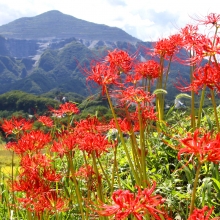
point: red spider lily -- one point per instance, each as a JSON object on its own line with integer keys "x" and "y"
{"x": 202, "y": 146}
{"x": 208, "y": 75}
{"x": 108, "y": 73}
{"x": 16, "y": 125}
{"x": 30, "y": 164}
{"x": 126, "y": 203}
{"x": 193, "y": 41}
{"x": 88, "y": 174}
{"x": 30, "y": 142}
{"x": 190, "y": 36}
{"x": 35, "y": 180}
{"x": 37, "y": 167}
{"x": 67, "y": 108}
{"x": 202, "y": 214}
{"x": 30, "y": 185}
{"x": 147, "y": 114}
{"x": 46, "y": 121}
{"x": 85, "y": 172}
{"x": 168, "y": 47}
{"x": 65, "y": 144}
{"x": 48, "y": 201}
{"x": 90, "y": 124}
{"x": 212, "y": 18}
{"x": 92, "y": 142}
{"x": 125, "y": 125}
{"x": 53, "y": 202}
{"x": 189, "y": 33}
{"x": 133, "y": 95}
{"x": 204, "y": 47}
{"x": 103, "y": 75}
{"x": 149, "y": 69}
{"x": 119, "y": 61}
{"x": 51, "y": 175}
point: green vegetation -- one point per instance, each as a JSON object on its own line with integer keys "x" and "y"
{"x": 18, "y": 103}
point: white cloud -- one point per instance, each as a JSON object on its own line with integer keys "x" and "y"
{"x": 144, "y": 19}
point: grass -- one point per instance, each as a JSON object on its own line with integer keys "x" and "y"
{"x": 6, "y": 160}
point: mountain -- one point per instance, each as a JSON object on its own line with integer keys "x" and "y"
{"x": 50, "y": 52}
{"x": 54, "y": 24}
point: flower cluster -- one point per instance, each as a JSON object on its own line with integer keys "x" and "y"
{"x": 202, "y": 146}
{"x": 140, "y": 204}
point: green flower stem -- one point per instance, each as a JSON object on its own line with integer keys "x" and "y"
{"x": 88, "y": 186}
{"x": 215, "y": 109}
{"x": 160, "y": 97}
{"x": 122, "y": 139}
{"x": 78, "y": 194}
{"x": 192, "y": 204}
{"x": 149, "y": 85}
{"x": 115, "y": 169}
{"x": 134, "y": 144}
{"x": 142, "y": 145}
{"x": 167, "y": 73}
{"x": 134, "y": 147}
{"x": 193, "y": 122}
{"x": 200, "y": 106}
{"x": 12, "y": 177}
{"x": 105, "y": 175}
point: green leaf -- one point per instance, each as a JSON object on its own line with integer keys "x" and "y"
{"x": 216, "y": 184}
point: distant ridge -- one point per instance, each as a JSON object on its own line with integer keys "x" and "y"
{"x": 54, "y": 24}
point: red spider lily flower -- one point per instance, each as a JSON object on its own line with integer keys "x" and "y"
{"x": 189, "y": 32}
{"x": 48, "y": 201}
{"x": 119, "y": 61}
{"x": 90, "y": 124}
{"x": 126, "y": 203}
{"x": 30, "y": 142}
{"x": 103, "y": 76}
{"x": 51, "y": 175}
{"x": 147, "y": 114}
{"x": 207, "y": 75}
{"x": 212, "y": 18}
{"x": 125, "y": 125}
{"x": 202, "y": 146}
{"x": 16, "y": 125}
{"x": 53, "y": 202}
{"x": 203, "y": 47}
{"x": 94, "y": 143}
{"x": 30, "y": 185}
{"x": 202, "y": 214}
{"x": 85, "y": 172}
{"x": 46, "y": 121}
{"x": 66, "y": 143}
{"x": 30, "y": 164}
{"x": 149, "y": 69}
{"x": 133, "y": 95}
{"x": 167, "y": 47}
{"x": 189, "y": 35}
{"x": 67, "y": 108}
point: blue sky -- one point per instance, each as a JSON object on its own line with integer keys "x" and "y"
{"x": 143, "y": 19}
